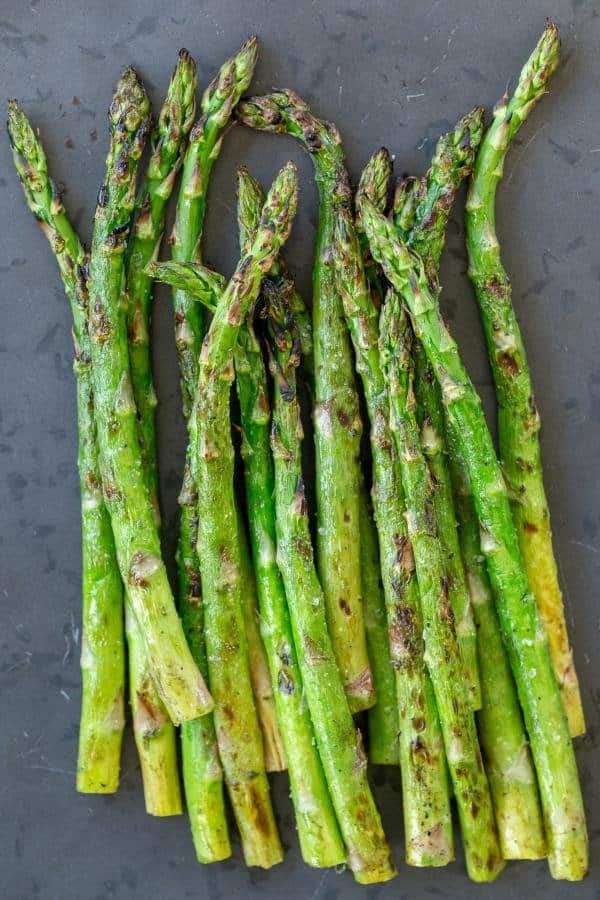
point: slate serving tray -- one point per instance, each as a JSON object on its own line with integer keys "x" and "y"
{"x": 393, "y": 73}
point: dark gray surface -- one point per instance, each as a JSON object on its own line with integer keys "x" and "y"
{"x": 388, "y": 73}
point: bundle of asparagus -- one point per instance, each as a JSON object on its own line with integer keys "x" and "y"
{"x": 431, "y": 597}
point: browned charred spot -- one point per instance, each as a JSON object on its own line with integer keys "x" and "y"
{"x": 149, "y": 718}
{"x": 362, "y": 685}
{"x": 457, "y": 731}
{"x": 102, "y": 196}
{"x": 474, "y": 809}
{"x": 508, "y": 363}
{"x": 285, "y": 684}
{"x": 420, "y": 751}
{"x": 347, "y": 516}
{"x": 313, "y": 653}
{"x": 101, "y": 326}
{"x": 345, "y": 420}
{"x": 303, "y": 548}
{"x": 194, "y": 592}
{"x": 234, "y": 313}
{"x": 121, "y": 166}
{"x": 262, "y": 820}
{"x": 344, "y": 606}
{"x": 404, "y": 553}
{"x": 460, "y": 772}
{"x": 496, "y": 287}
{"x": 403, "y": 635}
{"x": 228, "y": 713}
{"x": 91, "y": 481}
{"x": 530, "y": 527}
{"x": 360, "y": 757}
{"x": 418, "y": 723}
{"x": 446, "y": 611}
{"x": 116, "y": 238}
{"x": 300, "y": 505}
{"x": 110, "y": 491}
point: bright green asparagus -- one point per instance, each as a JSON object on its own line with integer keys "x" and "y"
{"x": 125, "y": 489}
{"x": 336, "y": 414}
{"x": 523, "y": 630}
{"x": 339, "y": 741}
{"x": 238, "y": 731}
{"x": 440, "y": 634}
{"x": 518, "y": 417}
{"x": 501, "y": 731}
{"x": 154, "y": 732}
{"x": 425, "y": 795}
{"x": 202, "y": 775}
{"x": 430, "y": 201}
{"x": 102, "y": 646}
{"x": 382, "y": 718}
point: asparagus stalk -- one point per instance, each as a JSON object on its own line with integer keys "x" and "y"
{"x": 425, "y": 794}
{"x": 125, "y": 489}
{"x": 238, "y": 732}
{"x": 336, "y": 414}
{"x": 518, "y": 417}
{"x": 502, "y": 734}
{"x": 382, "y": 718}
{"x": 102, "y": 657}
{"x": 153, "y": 731}
{"x": 442, "y": 648}
{"x": 260, "y": 675}
{"x": 430, "y": 201}
{"x": 522, "y": 627}
{"x": 339, "y": 741}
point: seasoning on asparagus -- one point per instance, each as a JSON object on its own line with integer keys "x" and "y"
{"x": 102, "y": 645}
{"x": 153, "y": 731}
{"x": 525, "y": 636}
{"x": 338, "y": 740}
{"x": 238, "y": 732}
{"x": 442, "y": 648}
{"x": 518, "y": 417}
{"x": 382, "y": 718}
{"x": 125, "y": 489}
{"x": 425, "y": 794}
{"x": 336, "y": 414}
{"x": 502, "y": 735}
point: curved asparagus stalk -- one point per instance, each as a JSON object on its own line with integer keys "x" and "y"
{"x": 102, "y": 657}
{"x": 238, "y": 732}
{"x": 336, "y": 414}
{"x": 518, "y": 418}
{"x": 218, "y": 102}
{"x": 502, "y": 734}
{"x": 425, "y": 206}
{"x": 153, "y": 731}
{"x": 339, "y": 741}
{"x": 125, "y": 490}
{"x": 382, "y": 718}
{"x": 425, "y": 795}
{"x": 442, "y": 648}
{"x": 523, "y": 630}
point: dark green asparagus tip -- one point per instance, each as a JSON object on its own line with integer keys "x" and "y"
{"x": 375, "y": 179}
{"x": 225, "y": 90}
{"x": 405, "y": 202}
{"x": 179, "y": 108}
{"x": 251, "y": 198}
{"x": 455, "y": 151}
{"x": 540, "y": 66}
{"x": 284, "y": 112}
{"x": 20, "y": 132}
{"x": 130, "y": 106}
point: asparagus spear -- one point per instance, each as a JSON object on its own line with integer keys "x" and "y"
{"x": 430, "y": 201}
{"x": 339, "y": 741}
{"x": 238, "y": 732}
{"x": 518, "y": 417}
{"x": 382, "y": 718}
{"x": 154, "y": 732}
{"x": 425, "y": 795}
{"x": 502, "y": 734}
{"x": 442, "y": 648}
{"x": 523, "y": 630}
{"x": 336, "y": 413}
{"x": 125, "y": 490}
{"x": 102, "y": 657}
